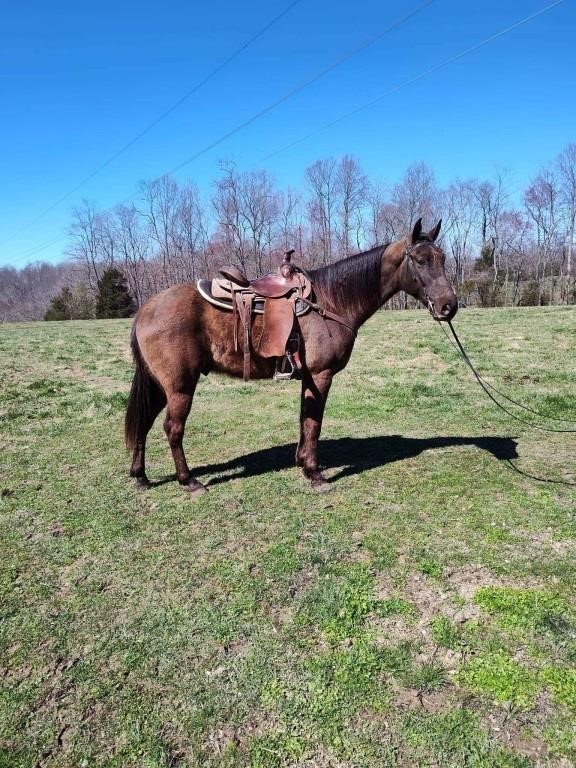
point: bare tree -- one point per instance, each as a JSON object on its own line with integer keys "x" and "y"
{"x": 261, "y": 215}
{"x": 381, "y": 216}
{"x": 321, "y": 180}
{"x": 247, "y": 211}
{"x": 227, "y": 206}
{"x": 492, "y": 198}
{"x": 542, "y": 202}
{"x": 133, "y": 246}
{"x": 352, "y": 188}
{"x": 416, "y": 196}
{"x": 191, "y": 233}
{"x": 514, "y": 230}
{"x": 460, "y": 225}
{"x": 160, "y": 198}
{"x": 290, "y": 224}
{"x": 566, "y": 164}
{"x": 91, "y": 242}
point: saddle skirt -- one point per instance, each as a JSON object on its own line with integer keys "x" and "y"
{"x": 280, "y": 297}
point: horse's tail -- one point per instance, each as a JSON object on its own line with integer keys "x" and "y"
{"x": 145, "y": 394}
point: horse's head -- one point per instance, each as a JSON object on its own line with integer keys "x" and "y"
{"x": 423, "y": 273}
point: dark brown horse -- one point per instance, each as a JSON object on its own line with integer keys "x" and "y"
{"x": 177, "y": 335}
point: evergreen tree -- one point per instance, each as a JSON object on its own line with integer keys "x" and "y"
{"x": 71, "y": 304}
{"x": 60, "y": 306}
{"x": 83, "y": 306}
{"x": 113, "y": 298}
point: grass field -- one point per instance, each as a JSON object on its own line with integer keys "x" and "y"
{"x": 421, "y": 614}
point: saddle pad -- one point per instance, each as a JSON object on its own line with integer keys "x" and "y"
{"x": 205, "y": 288}
{"x": 278, "y": 324}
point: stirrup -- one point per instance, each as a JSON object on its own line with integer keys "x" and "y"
{"x": 286, "y": 369}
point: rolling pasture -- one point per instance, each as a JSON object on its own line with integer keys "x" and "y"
{"x": 420, "y": 614}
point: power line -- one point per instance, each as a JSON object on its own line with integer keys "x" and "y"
{"x": 36, "y": 249}
{"x": 341, "y": 60}
{"x": 159, "y": 119}
{"x": 299, "y": 88}
{"x": 360, "y": 108}
{"x": 412, "y": 80}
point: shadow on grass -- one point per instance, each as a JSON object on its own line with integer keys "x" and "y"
{"x": 351, "y": 454}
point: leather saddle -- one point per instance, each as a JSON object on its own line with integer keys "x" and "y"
{"x": 280, "y": 296}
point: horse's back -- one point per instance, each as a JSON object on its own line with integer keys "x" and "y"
{"x": 179, "y": 300}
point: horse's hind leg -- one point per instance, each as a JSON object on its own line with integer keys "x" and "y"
{"x": 144, "y": 404}
{"x": 138, "y": 466}
{"x": 177, "y": 411}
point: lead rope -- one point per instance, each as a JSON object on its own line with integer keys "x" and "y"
{"x": 486, "y": 386}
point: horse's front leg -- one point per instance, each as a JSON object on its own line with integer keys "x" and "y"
{"x": 315, "y": 388}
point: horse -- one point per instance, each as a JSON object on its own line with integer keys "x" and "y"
{"x": 178, "y": 335}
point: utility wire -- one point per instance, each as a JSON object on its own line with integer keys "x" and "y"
{"x": 36, "y": 249}
{"x": 302, "y": 86}
{"x": 366, "y": 44}
{"x": 159, "y": 119}
{"x": 356, "y": 110}
{"x": 415, "y": 79}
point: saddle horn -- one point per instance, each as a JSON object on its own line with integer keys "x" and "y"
{"x": 287, "y": 269}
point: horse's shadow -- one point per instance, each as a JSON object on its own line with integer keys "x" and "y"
{"x": 350, "y": 455}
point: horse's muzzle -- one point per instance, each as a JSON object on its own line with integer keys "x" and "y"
{"x": 446, "y": 311}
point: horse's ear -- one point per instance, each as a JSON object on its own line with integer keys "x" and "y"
{"x": 417, "y": 231}
{"x": 436, "y": 231}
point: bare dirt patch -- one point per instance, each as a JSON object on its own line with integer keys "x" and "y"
{"x": 468, "y": 579}
{"x": 521, "y": 732}
{"x": 452, "y": 598}
{"x": 226, "y": 735}
{"x": 438, "y": 701}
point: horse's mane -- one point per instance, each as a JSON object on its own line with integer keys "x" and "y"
{"x": 352, "y": 283}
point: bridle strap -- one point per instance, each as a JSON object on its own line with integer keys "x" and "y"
{"x": 326, "y": 313}
{"x": 411, "y": 267}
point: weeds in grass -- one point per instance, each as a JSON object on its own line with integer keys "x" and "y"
{"x": 527, "y": 608}
{"x": 499, "y": 677}
{"x": 427, "y": 677}
{"x": 445, "y": 633}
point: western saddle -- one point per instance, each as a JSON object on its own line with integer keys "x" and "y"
{"x": 280, "y": 297}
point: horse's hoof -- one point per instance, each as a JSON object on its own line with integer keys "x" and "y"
{"x": 196, "y": 490}
{"x": 321, "y": 486}
{"x": 142, "y": 483}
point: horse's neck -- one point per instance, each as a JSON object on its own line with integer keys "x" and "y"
{"x": 391, "y": 274}
{"x": 352, "y": 287}
{"x": 390, "y": 282}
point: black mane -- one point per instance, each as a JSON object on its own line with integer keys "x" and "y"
{"x": 350, "y": 284}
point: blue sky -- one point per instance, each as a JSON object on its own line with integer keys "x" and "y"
{"x": 80, "y": 80}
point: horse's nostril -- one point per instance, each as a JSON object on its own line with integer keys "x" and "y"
{"x": 446, "y": 310}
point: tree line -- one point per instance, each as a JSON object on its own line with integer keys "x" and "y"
{"x": 500, "y": 251}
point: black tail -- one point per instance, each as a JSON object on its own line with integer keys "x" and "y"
{"x": 145, "y": 401}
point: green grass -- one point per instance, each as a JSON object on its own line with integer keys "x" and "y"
{"x": 501, "y": 678}
{"x": 527, "y": 608}
{"x": 421, "y": 614}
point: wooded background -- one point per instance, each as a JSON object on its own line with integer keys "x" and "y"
{"x": 499, "y": 253}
